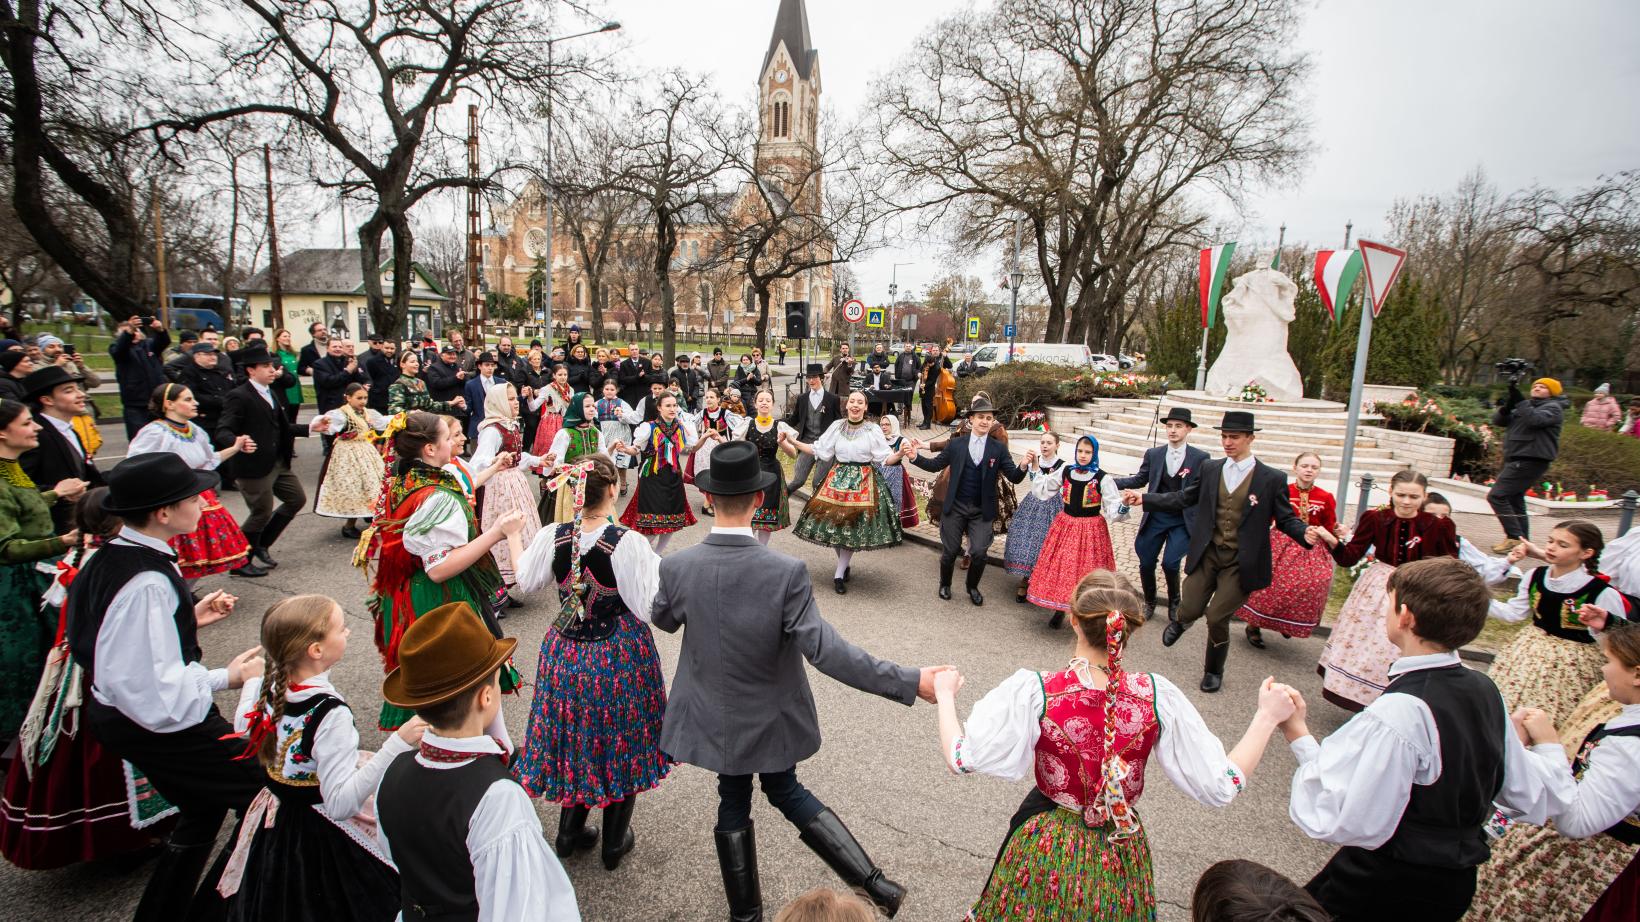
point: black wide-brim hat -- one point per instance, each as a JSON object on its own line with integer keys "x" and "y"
{"x": 43, "y": 381}
{"x": 1179, "y": 415}
{"x": 735, "y": 471}
{"x": 254, "y": 353}
{"x": 1237, "y": 421}
{"x": 815, "y": 370}
{"x": 151, "y": 480}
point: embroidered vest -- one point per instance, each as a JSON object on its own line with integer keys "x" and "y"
{"x": 1081, "y": 498}
{"x": 1071, "y": 749}
{"x": 600, "y": 598}
{"x": 1627, "y": 829}
{"x": 1556, "y": 612}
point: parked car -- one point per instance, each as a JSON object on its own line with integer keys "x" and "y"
{"x": 1074, "y": 355}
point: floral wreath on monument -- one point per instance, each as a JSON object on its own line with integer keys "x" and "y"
{"x": 1253, "y": 392}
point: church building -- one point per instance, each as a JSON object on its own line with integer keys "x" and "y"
{"x": 709, "y": 299}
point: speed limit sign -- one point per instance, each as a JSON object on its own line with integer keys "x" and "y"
{"x": 854, "y": 311}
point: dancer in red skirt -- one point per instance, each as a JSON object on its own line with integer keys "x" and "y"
{"x": 659, "y": 506}
{"x": 217, "y": 545}
{"x": 1078, "y": 542}
{"x": 1301, "y": 577}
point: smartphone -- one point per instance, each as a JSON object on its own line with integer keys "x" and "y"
{"x": 69, "y": 348}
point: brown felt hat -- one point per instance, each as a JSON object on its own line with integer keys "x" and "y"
{"x": 442, "y": 654}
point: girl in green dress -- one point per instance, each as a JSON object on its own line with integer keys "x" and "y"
{"x": 409, "y": 392}
{"x": 26, "y": 539}
{"x": 853, "y": 510}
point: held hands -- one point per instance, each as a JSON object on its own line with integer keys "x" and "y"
{"x": 72, "y": 539}
{"x": 510, "y": 524}
{"x": 947, "y": 684}
{"x": 1132, "y": 498}
{"x": 214, "y": 608}
{"x": 459, "y": 401}
{"x": 1594, "y": 617}
{"x": 1523, "y": 550}
{"x": 1534, "y": 727}
{"x": 247, "y": 665}
{"x": 412, "y": 730}
{"x": 1276, "y": 701}
{"x": 71, "y": 489}
{"x": 245, "y": 444}
{"x": 320, "y": 425}
{"x": 925, "y": 684}
{"x": 1315, "y": 534}
{"x": 1030, "y": 458}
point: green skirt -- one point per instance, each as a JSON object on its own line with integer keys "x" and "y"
{"x": 1056, "y": 868}
{"x": 426, "y": 595}
{"x": 26, "y": 633}
{"x": 853, "y": 509}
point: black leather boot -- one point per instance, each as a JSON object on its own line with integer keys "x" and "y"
{"x": 1213, "y": 672}
{"x": 1174, "y": 595}
{"x": 827, "y": 837}
{"x": 1147, "y": 583}
{"x": 618, "y": 837}
{"x": 737, "y": 859}
{"x": 975, "y": 571}
{"x": 573, "y": 832}
{"x": 947, "y": 567}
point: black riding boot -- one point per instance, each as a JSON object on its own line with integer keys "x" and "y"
{"x": 737, "y": 859}
{"x": 1174, "y": 596}
{"x": 573, "y": 832}
{"x": 1213, "y": 672}
{"x": 1147, "y": 582}
{"x": 830, "y": 839}
{"x": 618, "y": 837}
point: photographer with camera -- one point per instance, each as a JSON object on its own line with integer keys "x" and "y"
{"x": 1529, "y": 447}
{"x": 137, "y": 367}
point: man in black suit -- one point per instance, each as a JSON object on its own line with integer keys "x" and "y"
{"x": 314, "y": 350}
{"x": 331, "y": 376}
{"x": 1236, "y": 499}
{"x": 630, "y": 374}
{"x": 379, "y": 371}
{"x": 257, "y": 409}
{"x": 137, "y": 368}
{"x": 1166, "y": 469}
{"x": 55, "y": 398}
{"x": 445, "y": 379}
{"x": 510, "y": 366}
{"x": 811, "y": 415}
{"x": 970, "y": 505}
{"x": 879, "y": 378}
{"x": 932, "y": 365}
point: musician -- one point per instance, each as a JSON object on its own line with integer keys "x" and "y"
{"x": 878, "y": 378}
{"x": 932, "y": 366}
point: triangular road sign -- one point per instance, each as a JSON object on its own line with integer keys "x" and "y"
{"x": 1382, "y": 265}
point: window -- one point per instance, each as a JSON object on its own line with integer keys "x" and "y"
{"x": 988, "y": 354}
{"x": 580, "y": 295}
{"x": 780, "y": 116}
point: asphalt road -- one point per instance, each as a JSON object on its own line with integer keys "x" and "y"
{"x": 879, "y": 768}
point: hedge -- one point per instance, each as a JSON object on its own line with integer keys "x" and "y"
{"x": 1020, "y": 387}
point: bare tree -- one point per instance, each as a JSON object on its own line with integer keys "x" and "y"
{"x": 591, "y": 209}
{"x": 441, "y": 249}
{"x": 1097, "y": 122}
{"x": 632, "y": 279}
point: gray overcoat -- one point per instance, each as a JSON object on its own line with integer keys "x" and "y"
{"x": 740, "y": 700}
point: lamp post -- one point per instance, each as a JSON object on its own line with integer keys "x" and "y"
{"x": 893, "y": 292}
{"x": 546, "y": 294}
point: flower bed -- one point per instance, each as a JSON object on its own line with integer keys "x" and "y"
{"x": 1475, "y": 448}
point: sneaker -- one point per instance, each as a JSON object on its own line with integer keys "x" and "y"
{"x": 1505, "y": 546}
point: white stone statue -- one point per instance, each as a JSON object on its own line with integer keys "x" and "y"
{"x": 1257, "y": 309}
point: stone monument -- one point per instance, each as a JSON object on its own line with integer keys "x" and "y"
{"x": 1257, "y": 310}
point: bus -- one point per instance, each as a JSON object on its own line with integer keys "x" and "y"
{"x": 191, "y": 311}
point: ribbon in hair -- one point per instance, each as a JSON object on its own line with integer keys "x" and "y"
{"x": 574, "y": 478}
{"x": 258, "y": 728}
{"x": 1112, "y": 768}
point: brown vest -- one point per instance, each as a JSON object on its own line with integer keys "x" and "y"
{"x": 1232, "y": 507}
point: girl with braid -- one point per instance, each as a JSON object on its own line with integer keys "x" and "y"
{"x": 307, "y": 848}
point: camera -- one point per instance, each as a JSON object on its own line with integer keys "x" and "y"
{"x": 1514, "y": 369}
{"x": 69, "y": 348}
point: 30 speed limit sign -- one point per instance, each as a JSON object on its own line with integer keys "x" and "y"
{"x": 854, "y": 311}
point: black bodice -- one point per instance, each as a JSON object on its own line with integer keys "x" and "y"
{"x": 599, "y": 596}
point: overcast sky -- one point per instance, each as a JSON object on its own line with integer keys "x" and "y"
{"x": 1407, "y": 96}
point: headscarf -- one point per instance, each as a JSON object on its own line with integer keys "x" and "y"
{"x": 498, "y": 408}
{"x": 893, "y": 427}
{"x": 1092, "y": 465}
{"x": 575, "y": 414}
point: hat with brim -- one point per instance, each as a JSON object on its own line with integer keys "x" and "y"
{"x": 42, "y": 381}
{"x": 153, "y": 480}
{"x": 442, "y": 654}
{"x": 735, "y": 471}
{"x": 981, "y": 404}
{"x": 254, "y": 353}
{"x": 815, "y": 370}
{"x": 1179, "y": 415}
{"x": 1237, "y": 421}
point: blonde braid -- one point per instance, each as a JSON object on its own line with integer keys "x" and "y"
{"x": 273, "y": 699}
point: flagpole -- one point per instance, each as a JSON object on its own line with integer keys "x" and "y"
{"x": 1201, "y": 364}
{"x": 1358, "y": 383}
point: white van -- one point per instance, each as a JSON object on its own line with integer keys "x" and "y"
{"x": 1074, "y": 355}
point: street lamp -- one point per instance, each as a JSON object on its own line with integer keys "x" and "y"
{"x": 546, "y": 298}
{"x": 893, "y": 291}
{"x": 1015, "y": 279}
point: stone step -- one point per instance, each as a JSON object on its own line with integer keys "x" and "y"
{"x": 1378, "y": 461}
{"x": 1203, "y": 399}
{"x": 1317, "y": 439}
{"x": 1210, "y": 415}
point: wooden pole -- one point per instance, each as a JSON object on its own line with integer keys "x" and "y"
{"x": 164, "y": 292}
{"x": 475, "y": 306}
{"x": 275, "y": 294}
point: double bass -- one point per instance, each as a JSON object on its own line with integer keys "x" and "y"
{"x": 945, "y": 396}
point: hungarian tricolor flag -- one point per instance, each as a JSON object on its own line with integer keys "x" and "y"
{"x": 1335, "y": 272}
{"x": 1215, "y": 266}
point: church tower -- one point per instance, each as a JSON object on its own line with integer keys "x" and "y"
{"x": 789, "y": 101}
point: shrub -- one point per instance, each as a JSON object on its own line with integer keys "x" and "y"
{"x": 1020, "y": 387}
{"x": 1592, "y": 458}
{"x": 1473, "y": 452}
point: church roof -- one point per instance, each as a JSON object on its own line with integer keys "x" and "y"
{"x": 791, "y": 25}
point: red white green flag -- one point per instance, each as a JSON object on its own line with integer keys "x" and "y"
{"x": 1215, "y": 267}
{"x": 1335, "y": 272}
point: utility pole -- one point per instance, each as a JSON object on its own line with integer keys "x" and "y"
{"x": 276, "y": 298}
{"x": 475, "y": 307}
{"x": 159, "y": 255}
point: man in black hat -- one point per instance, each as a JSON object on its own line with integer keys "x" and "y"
{"x": 1236, "y": 499}
{"x": 133, "y": 627}
{"x": 257, "y": 409}
{"x": 811, "y": 415}
{"x": 751, "y": 646}
{"x": 1166, "y": 469}
{"x": 970, "y": 506}
{"x": 205, "y": 376}
{"x": 55, "y": 398}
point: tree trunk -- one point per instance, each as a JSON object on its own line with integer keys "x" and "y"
{"x": 233, "y": 239}
{"x": 666, "y": 240}
{"x": 595, "y": 291}
{"x": 403, "y": 269}
{"x": 763, "y": 295}
{"x": 370, "y": 247}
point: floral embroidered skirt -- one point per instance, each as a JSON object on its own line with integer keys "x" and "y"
{"x": 1075, "y": 547}
{"x": 510, "y": 491}
{"x": 659, "y": 505}
{"x": 351, "y": 481}
{"x": 1297, "y": 595}
{"x": 1027, "y": 532}
{"x": 215, "y": 546}
{"x": 774, "y": 513}
{"x": 594, "y": 734}
{"x": 1356, "y": 659}
{"x": 1540, "y": 670}
{"x": 853, "y": 510}
{"x": 1538, "y": 874}
{"x": 1055, "y": 868}
{"x": 546, "y": 430}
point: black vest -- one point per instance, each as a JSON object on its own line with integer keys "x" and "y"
{"x": 600, "y": 597}
{"x": 108, "y": 571}
{"x": 1442, "y": 823}
{"x": 425, "y": 813}
{"x": 1627, "y": 829}
{"x": 969, "y": 477}
{"x": 1549, "y": 607}
{"x": 1167, "y": 483}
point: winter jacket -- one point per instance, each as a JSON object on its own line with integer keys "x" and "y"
{"x": 1533, "y": 426}
{"x": 1602, "y": 413}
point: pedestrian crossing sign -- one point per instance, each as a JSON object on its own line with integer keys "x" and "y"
{"x": 973, "y": 328}
{"x": 874, "y": 317}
